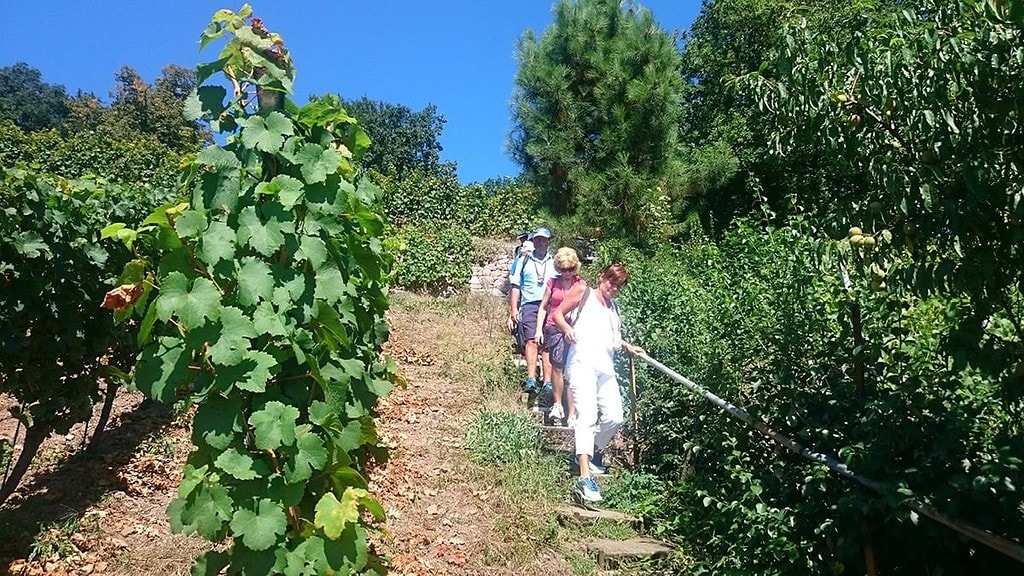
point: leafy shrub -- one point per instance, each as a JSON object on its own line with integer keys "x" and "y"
{"x": 763, "y": 319}
{"x": 503, "y": 438}
{"x": 434, "y": 260}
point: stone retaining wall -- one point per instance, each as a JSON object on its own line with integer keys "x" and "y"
{"x": 492, "y": 278}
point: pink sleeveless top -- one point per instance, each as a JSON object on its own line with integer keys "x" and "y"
{"x": 558, "y": 292}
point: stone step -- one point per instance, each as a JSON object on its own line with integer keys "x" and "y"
{"x": 577, "y": 516}
{"x": 615, "y": 553}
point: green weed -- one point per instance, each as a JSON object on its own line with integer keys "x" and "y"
{"x": 503, "y": 438}
{"x": 53, "y": 542}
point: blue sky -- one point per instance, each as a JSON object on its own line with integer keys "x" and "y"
{"x": 456, "y": 54}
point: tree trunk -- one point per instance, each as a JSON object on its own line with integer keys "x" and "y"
{"x": 108, "y": 406}
{"x": 34, "y": 437}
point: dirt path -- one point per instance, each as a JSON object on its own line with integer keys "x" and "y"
{"x": 446, "y": 516}
{"x": 104, "y": 512}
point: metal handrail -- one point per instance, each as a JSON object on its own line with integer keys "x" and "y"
{"x": 1006, "y": 546}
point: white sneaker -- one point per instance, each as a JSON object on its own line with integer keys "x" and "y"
{"x": 570, "y": 422}
{"x": 556, "y": 413}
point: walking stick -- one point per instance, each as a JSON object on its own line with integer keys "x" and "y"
{"x": 632, "y": 403}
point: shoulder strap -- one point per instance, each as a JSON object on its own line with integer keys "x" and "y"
{"x": 575, "y": 312}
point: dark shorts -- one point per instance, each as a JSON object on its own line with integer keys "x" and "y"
{"x": 556, "y": 345}
{"x": 528, "y": 321}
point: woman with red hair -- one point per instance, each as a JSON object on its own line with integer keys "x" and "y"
{"x": 590, "y": 368}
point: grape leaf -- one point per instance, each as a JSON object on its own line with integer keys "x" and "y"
{"x": 309, "y": 454}
{"x": 260, "y": 528}
{"x": 238, "y": 465}
{"x": 203, "y": 512}
{"x": 250, "y": 374}
{"x": 265, "y": 133}
{"x": 235, "y": 331}
{"x": 218, "y": 158}
{"x": 217, "y": 243}
{"x": 190, "y": 223}
{"x": 255, "y": 282}
{"x": 191, "y": 306}
{"x": 217, "y": 421}
{"x": 267, "y": 321}
{"x": 333, "y": 515}
{"x": 313, "y": 249}
{"x": 274, "y": 425}
{"x": 263, "y": 238}
{"x": 317, "y": 163}
{"x": 162, "y": 366}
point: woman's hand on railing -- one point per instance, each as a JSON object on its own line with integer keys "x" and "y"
{"x": 634, "y": 350}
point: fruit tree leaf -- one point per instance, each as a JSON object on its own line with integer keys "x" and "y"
{"x": 333, "y": 515}
{"x": 191, "y": 306}
{"x": 274, "y": 425}
{"x": 236, "y": 464}
{"x": 290, "y": 192}
{"x": 260, "y": 528}
{"x": 255, "y": 282}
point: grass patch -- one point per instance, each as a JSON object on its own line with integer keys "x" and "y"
{"x": 503, "y": 438}
{"x": 607, "y": 529}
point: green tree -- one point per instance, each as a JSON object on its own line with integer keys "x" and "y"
{"x": 596, "y": 110}
{"x": 155, "y": 110}
{"x": 731, "y": 170}
{"x": 28, "y": 101}
{"x": 404, "y": 141}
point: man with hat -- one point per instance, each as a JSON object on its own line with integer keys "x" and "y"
{"x": 525, "y": 293}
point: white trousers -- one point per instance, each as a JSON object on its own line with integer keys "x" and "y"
{"x": 598, "y": 407}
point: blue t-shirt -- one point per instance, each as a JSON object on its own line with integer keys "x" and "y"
{"x": 530, "y": 275}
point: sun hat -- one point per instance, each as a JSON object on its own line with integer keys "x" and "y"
{"x": 542, "y": 232}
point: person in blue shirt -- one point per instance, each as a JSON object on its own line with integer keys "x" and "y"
{"x": 525, "y": 293}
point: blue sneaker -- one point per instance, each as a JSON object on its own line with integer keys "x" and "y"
{"x": 530, "y": 386}
{"x": 586, "y": 490}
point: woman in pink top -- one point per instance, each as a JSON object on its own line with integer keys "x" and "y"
{"x": 567, "y": 264}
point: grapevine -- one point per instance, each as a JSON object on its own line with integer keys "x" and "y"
{"x": 262, "y": 305}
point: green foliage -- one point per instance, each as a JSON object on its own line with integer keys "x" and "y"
{"x": 404, "y": 141}
{"x": 938, "y": 144}
{"x": 503, "y": 438}
{"x": 763, "y": 318}
{"x": 53, "y": 542}
{"x": 55, "y": 342}
{"x": 140, "y": 109}
{"x": 635, "y": 492}
{"x": 436, "y": 260}
{"x": 140, "y": 160}
{"x": 268, "y": 314}
{"x": 596, "y": 111}
{"x": 28, "y": 102}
